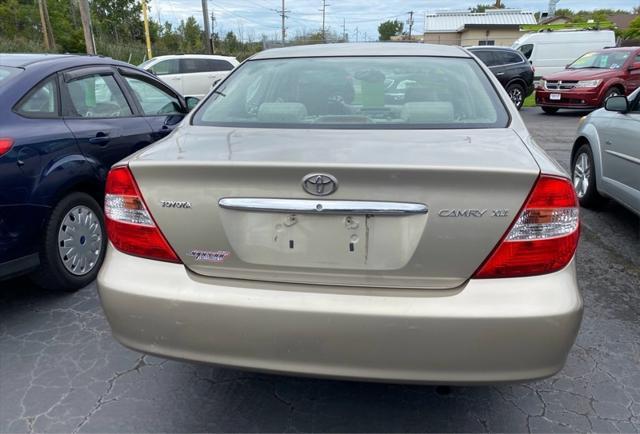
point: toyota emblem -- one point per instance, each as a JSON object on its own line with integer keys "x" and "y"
{"x": 319, "y": 184}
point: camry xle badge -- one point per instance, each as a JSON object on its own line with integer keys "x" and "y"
{"x": 319, "y": 184}
{"x": 472, "y": 212}
{"x": 175, "y": 204}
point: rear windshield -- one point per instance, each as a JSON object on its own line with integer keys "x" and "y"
{"x": 7, "y": 72}
{"x": 356, "y": 92}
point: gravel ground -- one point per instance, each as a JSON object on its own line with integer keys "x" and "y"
{"x": 61, "y": 371}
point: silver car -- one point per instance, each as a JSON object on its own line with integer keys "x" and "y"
{"x": 305, "y": 220}
{"x": 605, "y": 160}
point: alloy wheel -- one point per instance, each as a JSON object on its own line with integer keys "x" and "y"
{"x": 80, "y": 240}
{"x": 581, "y": 174}
{"x": 516, "y": 96}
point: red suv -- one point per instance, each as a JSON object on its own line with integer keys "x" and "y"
{"x": 590, "y": 80}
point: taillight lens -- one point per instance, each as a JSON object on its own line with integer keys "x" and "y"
{"x": 5, "y": 145}
{"x": 544, "y": 237}
{"x": 130, "y": 226}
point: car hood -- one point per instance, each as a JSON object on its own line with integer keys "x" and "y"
{"x": 582, "y": 74}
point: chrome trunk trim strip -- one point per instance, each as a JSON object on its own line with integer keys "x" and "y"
{"x": 306, "y": 206}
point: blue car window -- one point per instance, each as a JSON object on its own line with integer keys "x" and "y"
{"x": 98, "y": 96}
{"x": 42, "y": 101}
{"x": 154, "y": 101}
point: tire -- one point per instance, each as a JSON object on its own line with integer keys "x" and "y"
{"x": 614, "y": 91}
{"x": 78, "y": 214}
{"x": 583, "y": 177}
{"x": 517, "y": 94}
{"x": 550, "y": 110}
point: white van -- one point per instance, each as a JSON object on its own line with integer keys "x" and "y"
{"x": 551, "y": 51}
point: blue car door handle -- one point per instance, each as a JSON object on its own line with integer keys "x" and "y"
{"x": 100, "y": 139}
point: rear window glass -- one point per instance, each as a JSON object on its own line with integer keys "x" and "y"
{"x": 356, "y": 92}
{"x": 6, "y": 72}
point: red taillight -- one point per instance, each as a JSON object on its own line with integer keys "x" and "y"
{"x": 130, "y": 226}
{"x": 544, "y": 237}
{"x": 5, "y": 145}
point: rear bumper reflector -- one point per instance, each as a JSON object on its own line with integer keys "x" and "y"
{"x": 306, "y": 206}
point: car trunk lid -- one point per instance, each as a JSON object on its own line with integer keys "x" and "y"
{"x": 463, "y": 187}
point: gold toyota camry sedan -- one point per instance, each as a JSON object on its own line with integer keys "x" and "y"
{"x": 358, "y": 211}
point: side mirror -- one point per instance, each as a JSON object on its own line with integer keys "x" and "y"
{"x": 215, "y": 83}
{"x": 617, "y": 103}
{"x": 634, "y": 66}
{"x": 191, "y": 101}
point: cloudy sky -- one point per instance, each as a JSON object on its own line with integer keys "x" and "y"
{"x": 253, "y": 18}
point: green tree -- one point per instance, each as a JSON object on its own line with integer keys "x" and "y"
{"x": 231, "y": 43}
{"x": 191, "y": 35}
{"x": 479, "y": 8}
{"x": 389, "y": 28}
{"x": 633, "y": 31}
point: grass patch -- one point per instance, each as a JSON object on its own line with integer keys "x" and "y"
{"x": 530, "y": 101}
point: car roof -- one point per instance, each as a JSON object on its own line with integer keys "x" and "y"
{"x": 362, "y": 49}
{"x": 56, "y": 61}
{"x": 489, "y": 47}
{"x": 619, "y": 49}
{"x": 193, "y": 56}
{"x": 21, "y": 60}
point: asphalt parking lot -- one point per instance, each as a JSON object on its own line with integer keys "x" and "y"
{"x": 61, "y": 371}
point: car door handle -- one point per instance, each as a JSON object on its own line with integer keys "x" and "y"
{"x": 499, "y": 73}
{"x": 100, "y": 139}
{"x": 164, "y": 131}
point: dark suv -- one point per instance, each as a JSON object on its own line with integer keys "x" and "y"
{"x": 510, "y": 67}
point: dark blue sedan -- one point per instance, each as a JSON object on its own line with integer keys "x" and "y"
{"x": 64, "y": 120}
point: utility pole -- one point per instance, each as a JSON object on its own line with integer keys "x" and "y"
{"x": 45, "y": 28}
{"x": 283, "y": 15}
{"x": 147, "y": 36}
{"x": 213, "y": 32}
{"x": 410, "y": 22}
{"x": 207, "y": 30}
{"x": 324, "y": 9}
{"x": 344, "y": 30}
{"x": 85, "y": 17}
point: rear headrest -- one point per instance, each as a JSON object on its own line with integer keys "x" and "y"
{"x": 427, "y": 112}
{"x": 281, "y": 112}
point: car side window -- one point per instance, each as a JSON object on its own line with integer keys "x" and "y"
{"x": 192, "y": 66}
{"x": 526, "y": 50}
{"x": 165, "y": 67}
{"x": 154, "y": 101}
{"x": 219, "y": 65}
{"x": 41, "y": 101}
{"x": 509, "y": 57}
{"x": 488, "y": 57}
{"x": 97, "y": 96}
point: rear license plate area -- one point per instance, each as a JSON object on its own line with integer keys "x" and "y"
{"x": 356, "y": 242}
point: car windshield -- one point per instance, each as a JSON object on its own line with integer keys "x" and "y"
{"x": 356, "y": 92}
{"x": 6, "y": 72}
{"x": 601, "y": 60}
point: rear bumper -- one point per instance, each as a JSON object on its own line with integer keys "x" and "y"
{"x": 578, "y": 99}
{"x": 488, "y": 331}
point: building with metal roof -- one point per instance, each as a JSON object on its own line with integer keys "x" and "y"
{"x": 492, "y": 27}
